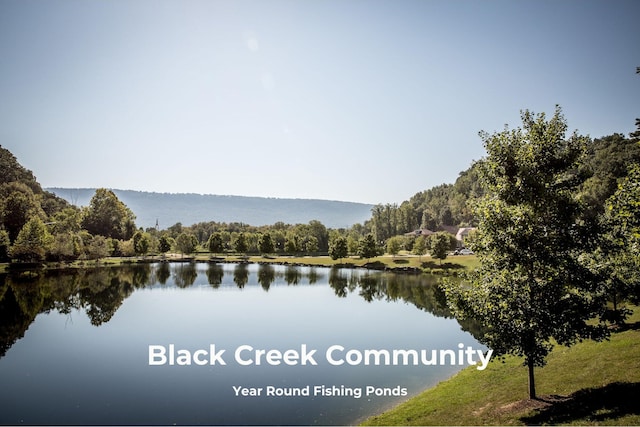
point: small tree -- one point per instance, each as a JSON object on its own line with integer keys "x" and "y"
{"x": 65, "y": 247}
{"x": 32, "y": 241}
{"x": 420, "y": 247}
{"x": 141, "y": 242}
{"x": 439, "y": 245}
{"x": 97, "y": 248}
{"x": 311, "y": 244}
{"x": 265, "y": 244}
{"x": 291, "y": 245}
{"x": 240, "y": 243}
{"x": 214, "y": 244}
{"x": 338, "y": 248}
{"x": 164, "y": 244}
{"x": 367, "y": 247}
{"x": 186, "y": 243}
{"x": 393, "y": 245}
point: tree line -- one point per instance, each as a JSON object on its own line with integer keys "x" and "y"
{"x": 107, "y": 227}
{"x": 37, "y": 226}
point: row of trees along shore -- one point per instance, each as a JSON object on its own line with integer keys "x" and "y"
{"x": 107, "y": 227}
{"x": 557, "y": 217}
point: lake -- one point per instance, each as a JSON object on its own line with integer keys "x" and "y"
{"x": 187, "y": 343}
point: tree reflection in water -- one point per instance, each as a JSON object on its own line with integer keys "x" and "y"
{"x": 101, "y": 291}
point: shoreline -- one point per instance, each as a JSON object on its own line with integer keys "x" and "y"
{"x": 399, "y": 264}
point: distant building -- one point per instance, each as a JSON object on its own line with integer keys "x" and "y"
{"x": 451, "y": 229}
{"x": 421, "y": 232}
{"x": 462, "y": 234}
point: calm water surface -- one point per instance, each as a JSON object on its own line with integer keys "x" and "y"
{"x": 74, "y": 346}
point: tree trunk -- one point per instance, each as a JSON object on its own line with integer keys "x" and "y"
{"x": 532, "y": 384}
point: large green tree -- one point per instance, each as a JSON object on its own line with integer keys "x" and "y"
{"x": 107, "y": 216}
{"x": 532, "y": 288}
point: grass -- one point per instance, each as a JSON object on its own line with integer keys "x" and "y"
{"x": 399, "y": 262}
{"x": 589, "y": 383}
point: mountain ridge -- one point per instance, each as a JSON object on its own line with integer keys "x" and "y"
{"x": 192, "y": 208}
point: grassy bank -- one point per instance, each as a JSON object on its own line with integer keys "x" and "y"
{"x": 400, "y": 262}
{"x": 587, "y": 384}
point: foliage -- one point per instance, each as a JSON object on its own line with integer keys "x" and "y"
{"x": 240, "y": 243}
{"x": 338, "y": 248}
{"x": 291, "y": 245}
{"x": 18, "y": 204}
{"x": 5, "y": 244}
{"x": 215, "y": 244}
{"x": 108, "y": 216}
{"x": 394, "y": 244}
{"x": 420, "y": 246}
{"x": 624, "y": 208}
{"x": 21, "y": 196}
{"x": 32, "y": 242}
{"x": 367, "y": 247}
{"x": 67, "y": 220}
{"x": 186, "y": 243}
{"x": 12, "y": 171}
{"x": 311, "y": 244}
{"x": 164, "y": 243}
{"x": 618, "y": 258}
{"x": 607, "y": 162}
{"x": 66, "y": 246}
{"x": 141, "y": 242}
{"x": 265, "y": 244}
{"x": 446, "y": 205}
{"x": 97, "y": 248}
{"x": 532, "y": 288}
{"x": 439, "y": 245}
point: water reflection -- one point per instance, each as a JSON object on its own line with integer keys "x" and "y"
{"x": 266, "y": 276}
{"x": 215, "y": 273}
{"x": 98, "y": 291}
{"x": 101, "y": 291}
{"x": 185, "y": 274}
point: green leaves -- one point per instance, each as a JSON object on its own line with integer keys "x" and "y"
{"x": 108, "y": 216}
{"x": 532, "y": 287}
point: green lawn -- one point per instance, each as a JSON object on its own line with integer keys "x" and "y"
{"x": 588, "y": 384}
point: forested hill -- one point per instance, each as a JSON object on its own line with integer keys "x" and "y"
{"x": 447, "y": 206}
{"x": 189, "y": 208}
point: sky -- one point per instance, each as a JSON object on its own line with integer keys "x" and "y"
{"x": 364, "y": 101}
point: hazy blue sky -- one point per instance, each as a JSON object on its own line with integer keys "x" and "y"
{"x": 368, "y": 101}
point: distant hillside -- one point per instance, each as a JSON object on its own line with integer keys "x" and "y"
{"x": 190, "y": 209}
